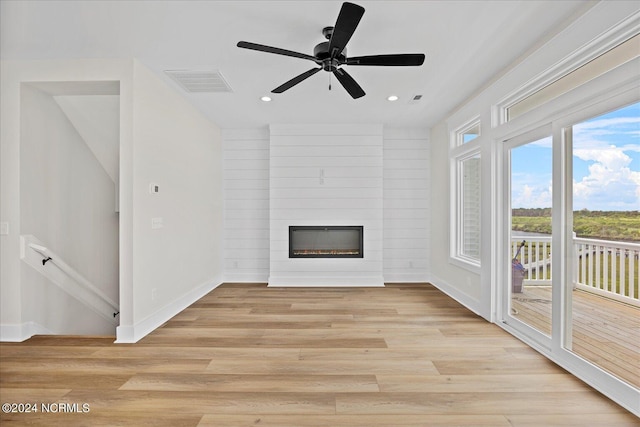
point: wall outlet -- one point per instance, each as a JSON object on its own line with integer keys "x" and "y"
{"x": 157, "y": 222}
{"x": 4, "y": 228}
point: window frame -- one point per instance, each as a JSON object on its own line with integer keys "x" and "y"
{"x": 601, "y": 45}
{"x": 460, "y": 152}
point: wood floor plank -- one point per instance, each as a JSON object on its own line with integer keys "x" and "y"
{"x": 363, "y": 420}
{"x": 478, "y": 383}
{"x": 137, "y": 419}
{"x": 330, "y": 367}
{"x": 199, "y": 402}
{"x": 277, "y": 383}
{"x": 250, "y": 355}
{"x": 525, "y": 403}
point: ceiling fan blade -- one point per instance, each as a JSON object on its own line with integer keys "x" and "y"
{"x": 294, "y": 81}
{"x": 349, "y": 84}
{"x": 407, "y": 59}
{"x": 348, "y": 19}
{"x": 276, "y": 50}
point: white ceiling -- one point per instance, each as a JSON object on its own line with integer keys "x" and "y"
{"x": 467, "y": 43}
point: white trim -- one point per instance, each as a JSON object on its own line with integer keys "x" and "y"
{"x": 406, "y": 278}
{"x": 245, "y": 278}
{"x": 616, "y": 35}
{"x": 455, "y": 293}
{"x": 307, "y": 281}
{"x": 456, "y": 230}
{"x": 134, "y": 333}
{"x": 22, "y": 331}
{"x": 457, "y": 134}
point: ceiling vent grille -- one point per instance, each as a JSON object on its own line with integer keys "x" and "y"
{"x": 200, "y": 81}
{"x": 416, "y": 99}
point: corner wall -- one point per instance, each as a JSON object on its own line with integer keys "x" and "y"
{"x": 163, "y": 139}
{"x": 178, "y": 149}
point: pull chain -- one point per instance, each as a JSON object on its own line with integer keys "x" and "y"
{"x": 329, "y": 81}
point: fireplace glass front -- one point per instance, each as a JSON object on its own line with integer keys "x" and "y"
{"x": 325, "y": 241}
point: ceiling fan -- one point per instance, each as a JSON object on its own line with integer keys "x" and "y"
{"x": 332, "y": 54}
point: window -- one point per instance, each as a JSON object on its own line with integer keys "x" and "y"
{"x": 470, "y": 208}
{"x": 467, "y": 133}
{"x": 465, "y": 201}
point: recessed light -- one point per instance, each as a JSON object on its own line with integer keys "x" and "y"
{"x": 265, "y": 98}
{"x": 392, "y": 98}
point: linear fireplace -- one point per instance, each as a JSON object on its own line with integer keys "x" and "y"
{"x": 310, "y": 241}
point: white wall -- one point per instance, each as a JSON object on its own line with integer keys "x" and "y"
{"x": 407, "y": 205}
{"x": 326, "y": 175}
{"x": 246, "y": 200}
{"x": 67, "y": 201}
{"x": 460, "y": 283}
{"x": 175, "y": 147}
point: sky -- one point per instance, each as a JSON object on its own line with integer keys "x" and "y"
{"x": 606, "y": 165}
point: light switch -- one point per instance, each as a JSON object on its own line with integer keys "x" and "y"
{"x": 156, "y": 222}
{"x": 154, "y": 188}
{"x": 4, "y": 228}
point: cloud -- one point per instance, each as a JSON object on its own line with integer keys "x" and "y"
{"x": 532, "y": 196}
{"x": 611, "y": 184}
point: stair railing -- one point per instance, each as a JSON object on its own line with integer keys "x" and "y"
{"x": 52, "y": 266}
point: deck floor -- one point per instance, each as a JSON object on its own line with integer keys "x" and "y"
{"x": 605, "y": 332}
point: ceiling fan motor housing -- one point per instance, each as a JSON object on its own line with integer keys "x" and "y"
{"x": 321, "y": 51}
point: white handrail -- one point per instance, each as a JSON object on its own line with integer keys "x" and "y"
{"x": 604, "y": 267}
{"x": 106, "y": 306}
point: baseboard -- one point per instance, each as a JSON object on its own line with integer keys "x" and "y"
{"x": 134, "y": 333}
{"x": 406, "y": 278}
{"x": 317, "y": 282}
{"x": 21, "y": 331}
{"x": 245, "y": 278}
{"x": 464, "y": 299}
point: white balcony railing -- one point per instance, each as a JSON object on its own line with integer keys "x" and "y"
{"x": 607, "y": 268}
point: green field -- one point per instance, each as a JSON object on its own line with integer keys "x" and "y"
{"x": 613, "y": 225}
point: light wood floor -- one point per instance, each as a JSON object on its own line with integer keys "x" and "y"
{"x": 248, "y": 355}
{"x": 605, "y": 332}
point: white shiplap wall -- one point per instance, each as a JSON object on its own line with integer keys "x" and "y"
{"x": 380, "y": 181}
{"x": 326, "y": 175}
{"x": 406, "y": 205}
{"x": 246, "y": 205}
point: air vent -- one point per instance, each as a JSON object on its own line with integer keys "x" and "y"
{"x": 200, "y": 81}
{"x": 416, "y": 99}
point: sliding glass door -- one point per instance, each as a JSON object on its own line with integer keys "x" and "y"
{"x": 569, "y": 258}
{"x": 604, "y": 308}
{"x": 527, "y": 291}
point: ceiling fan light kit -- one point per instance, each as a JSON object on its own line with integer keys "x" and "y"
{"x": 331, "y": 55}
